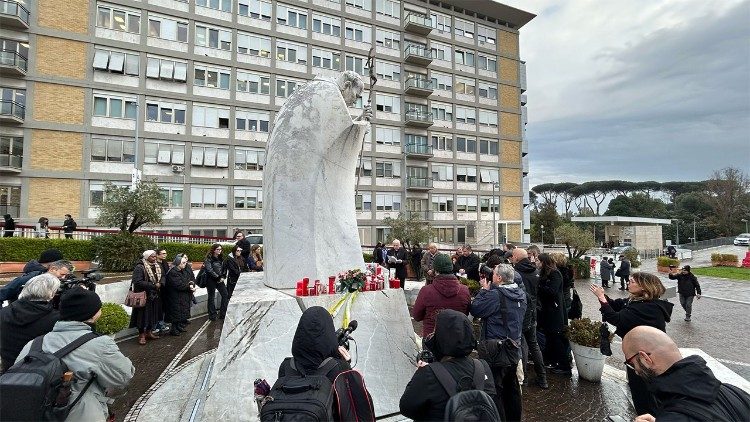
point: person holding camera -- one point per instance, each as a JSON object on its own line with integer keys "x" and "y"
{"x": 50, "y": 260}
{"x": 687, "y": 287}
{"x": 445, "y": 292}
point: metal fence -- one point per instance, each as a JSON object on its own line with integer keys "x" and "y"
{"x": 54, "y": 232}
{"x": 705, "y": 244}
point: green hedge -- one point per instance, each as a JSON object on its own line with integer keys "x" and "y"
{"x": 724, "y": 258}
{"x": 632, "y": 255}
{"x": 665, "y": 261}
{"x": 367, "y": 256}
{"x": 112, "y": 320}
{"x": 21, "y": 249}
{"x": 473, "y": 285}
{"x": 581, "y": 268}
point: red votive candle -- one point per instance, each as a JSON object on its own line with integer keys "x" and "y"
{"x": 317, "y": 287}
{"x": 331, "y": 282}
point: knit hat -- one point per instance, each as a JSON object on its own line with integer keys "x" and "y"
{"x": 148, "y": 253}
{"x": 442, "y": 264}
{"x": 686, "y": 268}
{"x": 50, "y": 255}
{"x": 79, "y": 304}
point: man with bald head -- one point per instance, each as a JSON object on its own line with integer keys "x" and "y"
{"x": 397, "y": 259}
{"x": 530, "y": 277}
{"x": 686, "y": 388}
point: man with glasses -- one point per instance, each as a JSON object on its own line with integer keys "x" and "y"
{"x": 685, "y": 388}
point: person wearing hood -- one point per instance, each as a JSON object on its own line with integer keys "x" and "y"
{"x": 445, "y": 292}
{"x": 424, "y": 398}
{"x": 643, "y": 307}
{"x": 32, "y": 269}
{"x": 530, "y": 275}
{"x": 688, "y": 288}
{"x": 502, "y": 322}
{"x": 9, "y": 226}
{"x": 98, "y": 361}
{"x": 685, "y": 388}
{"x": 27, "y": 318}
{"x": 179, "y": 286}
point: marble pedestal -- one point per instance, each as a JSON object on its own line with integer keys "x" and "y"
{"x": 258, "y": 332}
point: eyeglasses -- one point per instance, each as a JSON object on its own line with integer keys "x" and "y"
{"x": 629, "y": 362}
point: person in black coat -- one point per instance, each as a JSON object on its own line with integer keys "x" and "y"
{"x": 178, "y": 293}
{"x": 552, "y": 316}
{"x": 147, "y": 277}
{"x": 377, "y": 254}
{"x": 468, "y": 263}
{"x": 234, "y": 265}
{"x": 424, "y": 398}
{"x": 688, "y": 288}
{"x": 243, "y": 243}
{"x": 214, "y": 265}
{"x": 623, "y": 272}
{"x": 416, "y": 260}
{"x": 397, "y": 259}
{"x": 9, "y": 227}
{"x": 643, "y": 307}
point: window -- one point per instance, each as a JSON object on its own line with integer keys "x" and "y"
{"x": 465, "y": 28}
{"x": 487, "y": 118}
{"x": 210, "y": 117}
{"x": 357, "y": 32}
{"x": 252, "y": 120}
{"x": 365, "y": 168}
{"x": 440, "y": 51}
{"x": 253, "y": 45}
{"x": 357, "y": 64}
{"x": 116, "y": 62}
{"x": 464, "y": 144}
{"x": 466, "y": 203}
{"x": 257, "y": 9}
{"x": 363, "y": 202}
{"x": 416, "y": 205}
{"x": 163, "y": 153}
{"x": 465, "y": 86}
{"x": 388, "y": 169}
{"x": 213, "y": 37}
{"x": 209, "y": 156}
{"x": 360, "y": 4}
{"x": 442, "y": 203}
{"x": 466, "y": 174}
{"x": 109, "y": 105}
{"x": 285, "y": 88}
{"x": 388, "y": 39}
{"x": 290, "y": 16}
{"x": 388, "y": 7}
{"x": 290, "y": 52}
{"x": 165, "y": 112}
{"x": 442, "y": 142}
{"x": 248, "y": 198}
{"x": 223, "y": 5}
{"x": 249, "y": 159}
{"x": 417, "y": 142}
{"x": 487, "y": 62}
{"x": 118, "y": 19}
{"x": 442, "y": 111}
{"x": 11, "y": 151}
{"x": 326, "y": 59}
{"x": 254, "y": 83}
{"x": 388, "y": 103}
{"x": 208, "y": 197}
{"x": 387, "y": 136}
{"x": 464, "y": 57}
{"x": 466, "y": 115}
{"x": 172, "y": 196}
{"x": 489, "y": 204}
{"x": 488, "y": 90}
{"x": 387, "y": 201}
{"x": 442, "y": 172}
{"x": 487, "y": 146}
{"x": 441, "y": 22}
{"x": 441, "y": 81}
{"x": 388, "y": 70}
{"x": 486, "y": 34}
{"x": 167, "y": 70}
{"x": 211, "y": 77}
{"x": 489, "y": 175}
{"x": 418, "y": 109}
{"x": 10, "y": 198}
{"x": 112, "y": 150}
{"x": 327, "y": 25}
{"x": 167, "y": 29}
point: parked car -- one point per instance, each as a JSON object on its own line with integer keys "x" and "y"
{"x": 619, "y": 250}
{"x": 742, "y": 240}
{"x": 255, "y": 239}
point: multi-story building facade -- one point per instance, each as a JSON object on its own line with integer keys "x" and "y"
{"x": 187, "y": 90}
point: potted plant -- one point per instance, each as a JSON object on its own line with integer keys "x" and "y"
{"x": 113, "y": 320}
{"x": 585, "y": 341}
{"x": 663, "y": 264}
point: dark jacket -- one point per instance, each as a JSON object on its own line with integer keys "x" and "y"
{"x": 177, "y": 295}
{"x": 233, "y": 269}
{"x": 626, "y": 314}
{"x": 245, "y": 245}
{"x": 141, "y": 282}
{"x": 470, "y": 264}
{"x": 445, "y": 292}
{"x": 604, "y": 270}
{"x": 214, "y": 268}
{"x": 399, "y": 254}
{"x": 487, "y": 306}
{"x": 69, "y": 225}
{"x": 314, "y": 341}
{"x": 552, "y": 314}
{"x": 624, "y": 268}
{"x": 689, "y": 383}
{"x": 8, "y": 226}
{"x": 11, "y": 290}
{"x": 21, "y": 322}
{"x": 530, "y": 276}
{"x": 687, "y": 284}
{"x": 377, "y": 255}
{"x": 424, "y": 398}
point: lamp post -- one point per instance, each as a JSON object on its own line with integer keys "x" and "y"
{"x": 677, "y": 234}
{"x": 542, "y": 227}
{"x": 695, "y": 239}
{"x": 744, "y": 220}
{"x": 494, "y": 219}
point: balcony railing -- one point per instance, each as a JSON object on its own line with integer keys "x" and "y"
{"x": 12, "y": 110}
{"x": 418, "y": 118}
{"x": 9, "y": 161}
{"x": 417, "y": 23}
{"x": 418, "y": 149}
{"x": 12, "y": 59}
{"x": 419, "y": 86}
{"x": 419, "y": 182}
{"x": 417, "y": 54}
{"x": 10, "y": 10}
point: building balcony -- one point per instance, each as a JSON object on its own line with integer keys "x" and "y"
{"x": 416, "y": 118}
{"x": 523, "y": 99}
{"x": 418, "y": 55}
{"x": 419, "y": 151}
{"x": 523, "y": 77}
{"x": 421, "y": 215}
{"x": 417, "y": 24}
{"x": 12, "y": 64}
{"x": 418, "y": 87}
{"x": 12, "y": 112}
{"x": 419, "y": 183}
{"x": 13, "y": 15}
{"x": 524, "y": 145}
{"x": 10, "y": 163}
{"x": 525, "y": 161}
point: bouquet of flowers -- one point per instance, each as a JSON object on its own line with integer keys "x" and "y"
{"x": 352, "y": 280}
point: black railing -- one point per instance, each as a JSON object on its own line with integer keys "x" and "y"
{"x": 13, "y": 58}
{"x": 9, "y": 7}
{"x": 12, "y": 108}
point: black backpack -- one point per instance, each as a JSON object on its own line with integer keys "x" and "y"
{"x": 354, "y": 401}
{"x": 301, "y": 397}
{"x": 35, "y": 388}
{"x": 467, "y": 405}
{"x": 200, "y": 279}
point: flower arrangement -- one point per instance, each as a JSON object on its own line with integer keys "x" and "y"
{"x": 352, "y": 280}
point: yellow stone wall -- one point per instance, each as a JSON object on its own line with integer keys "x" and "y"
{"x": 514, "y": 233}
{"x": 60, "y": 57}
{"x": 55, "y": 150}
{"x": 510, "y": 152}
{"x": 508, "y": 43}
{"x": 53, "y": 198}
{"x": 508, "y": 69}
{"x": 65, "y": 15}
{"x": 511, "y": 180}
{"x": 510, "y": 125}
{"x": 58, "y": 103}
{"x": 511, "y": 207}
{"x": 510, "y": 96}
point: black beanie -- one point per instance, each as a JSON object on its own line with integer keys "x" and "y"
{"x": 79, "y": 304}
{"x": 50, "y": 255}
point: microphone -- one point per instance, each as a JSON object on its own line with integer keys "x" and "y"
{"x": 343, "y": 334}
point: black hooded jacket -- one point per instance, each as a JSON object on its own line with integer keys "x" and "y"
{"x": 530, "y": 276}
{"x": 626, "y": 314}
{"x": 21, "y": 322}
{"x": 424, "y": 398}
{"x": 689, "y": 391}
{"x": 11, "y": 290}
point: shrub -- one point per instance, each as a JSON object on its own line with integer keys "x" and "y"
{"x": 113, "y": 319}
{"x": 368, "y": 257}
{"x": 580, "y": 267}
{"x": 473, "y": 285}
{"x": 632, "y": 255}
{"x": 585, "y": 332}
{"x": 22, "y": 249}
{"x": 724, "y": 259}
{"x": 120, "y": 251}
{"x": 665, "y": 261}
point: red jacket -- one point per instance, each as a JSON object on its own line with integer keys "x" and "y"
{"x": 445, "y": 292}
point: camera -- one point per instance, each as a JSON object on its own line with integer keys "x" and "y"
{"x": 425, "y": 356}
{"x": 485, "y": 271}
{"x": 342, "y": 334}
{"x": 88, "y": 281}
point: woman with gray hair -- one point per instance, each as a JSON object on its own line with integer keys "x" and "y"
{"x": 178, "y": 293}
{"x": 27, "y": 318}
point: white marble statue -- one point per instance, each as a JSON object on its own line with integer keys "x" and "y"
{"x": 309, "y": 219}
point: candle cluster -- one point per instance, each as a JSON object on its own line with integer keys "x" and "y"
{"x": 372, "y": 282}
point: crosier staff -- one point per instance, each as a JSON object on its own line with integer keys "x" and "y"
{"x": 373, "y": 80}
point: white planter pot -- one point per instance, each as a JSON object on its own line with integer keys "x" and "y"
{"x": 589, "y": 362}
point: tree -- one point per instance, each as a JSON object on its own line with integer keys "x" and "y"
{"x": 130, "y": 209}
{"x": 637, "y": 205}
{"x": 597, "y": 191}
{"x": 577, "y": 240}
{"x": 728, "y": 193}
{"x": 409, "y": 228}
{"x": 568, "y": 194}
{"x": 546, "y": 215}
{"x": 545, "y": 191}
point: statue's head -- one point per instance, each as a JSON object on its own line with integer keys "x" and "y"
{"x": 351, "y": 87}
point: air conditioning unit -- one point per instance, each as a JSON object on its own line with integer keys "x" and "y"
{"x": 178, "y": 169}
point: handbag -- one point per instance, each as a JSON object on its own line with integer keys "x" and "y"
{"x": 576, "y": 307}
{"x": 135, "y": 300}
{"x": 500, "y": 352}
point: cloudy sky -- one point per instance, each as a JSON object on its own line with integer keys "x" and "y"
{"x": 636, "y": 89}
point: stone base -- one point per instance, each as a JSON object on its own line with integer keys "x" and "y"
{"x": 258, "y": 333}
